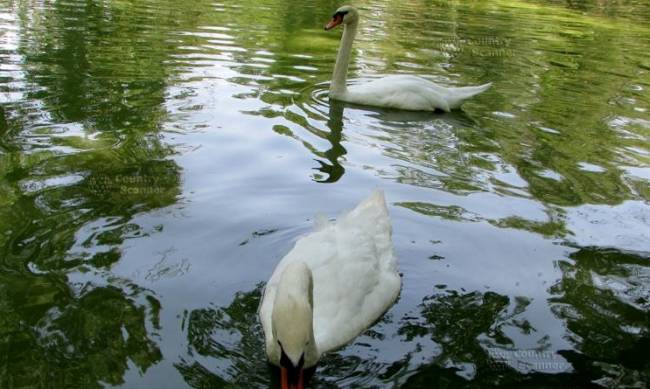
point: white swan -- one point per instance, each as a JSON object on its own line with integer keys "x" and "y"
{"x": 399, "y": 91}
{"x": 329, "y": 288}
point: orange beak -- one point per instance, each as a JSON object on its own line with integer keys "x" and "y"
{"x": 336, "y": 20}
{"x": 285, "y": 381}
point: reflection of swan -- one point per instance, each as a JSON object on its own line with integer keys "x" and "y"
{"x": 400, "y": 91}
{"x": 333, "y": 167}
{"x": 333, "y": 284}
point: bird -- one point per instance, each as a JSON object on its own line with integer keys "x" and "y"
{"x": 331, "y": 286}
{"x": 405, "y": 92}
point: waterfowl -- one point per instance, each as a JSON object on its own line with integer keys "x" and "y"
{"x": 333, "y": 284}
{"x": 397, "y": 91}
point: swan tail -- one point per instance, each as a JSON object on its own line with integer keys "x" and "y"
{"x": 459, "y": 95}
{"x": 371, "y": 217}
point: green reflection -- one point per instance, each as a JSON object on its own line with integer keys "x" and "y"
{"x": 83, "y": 154}
{"x": 553, "y": 227}
{"x": 83, "y": 157}
{"x": 51, "y": 337}
{"x": 604, "y": 297}
{"x": 233, "y": 337}
{"x": 455, "y": 321}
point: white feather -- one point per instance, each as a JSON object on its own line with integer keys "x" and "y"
{"x": 354, "y": 272}
{"x": 410, "y": 93}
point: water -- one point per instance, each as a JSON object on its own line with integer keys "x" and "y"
{"x": 158, "y": 158}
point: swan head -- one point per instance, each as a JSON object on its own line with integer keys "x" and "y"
{"x": 292, "y": 325}
{"x": 345, "y": 15}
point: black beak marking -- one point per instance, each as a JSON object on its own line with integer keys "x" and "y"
{"x": 293, "y": 372}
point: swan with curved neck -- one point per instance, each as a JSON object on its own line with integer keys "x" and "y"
{"x": 334, "y": 283}
{"x": 399, "y": 91}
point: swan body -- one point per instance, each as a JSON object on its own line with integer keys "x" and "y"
{"x": 409, "y": 93}
{"x": 399, "y": 91}
{"x": 330, "y": 287}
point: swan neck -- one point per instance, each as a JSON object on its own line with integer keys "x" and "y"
{"x": 340, "y": 75}
{"x": 293, "y": 314}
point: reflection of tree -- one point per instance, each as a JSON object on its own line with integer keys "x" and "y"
{"x": 50, "y": 337}
{"x": 233, "y": 337}
{"x": 118, "y": 171}
{"x": 4, "y": 126}
{"x": 554, "y": 227}
{"x": 604, "y": 296}
{"x": 634, "y": 10}
{"x": 455, "y": 321}
{"x": 95, "y": 83}
{"x": 470, "y": 329}
{"x": 91, "y": 69}
{"x": 563, "y": 103}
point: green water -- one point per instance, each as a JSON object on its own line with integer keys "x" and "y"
{"x": 158, "y": 158}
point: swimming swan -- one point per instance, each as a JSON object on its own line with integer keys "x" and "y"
{"x": 398, "y": 91}
{"x": 329, "y": 288}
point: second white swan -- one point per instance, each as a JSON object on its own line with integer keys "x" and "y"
{"x": 399, "y": 91}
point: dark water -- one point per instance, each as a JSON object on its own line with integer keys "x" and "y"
{"x": 158, "y": 158}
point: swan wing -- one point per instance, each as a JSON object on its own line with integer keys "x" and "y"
{"x": 354, "y": 272}
{"x": 401, "y": 92}
{"x": 410, "y": 93}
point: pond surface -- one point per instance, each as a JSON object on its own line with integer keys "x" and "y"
{"x": 158, "y": 158}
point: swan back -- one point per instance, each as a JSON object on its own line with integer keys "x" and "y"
{"x": 410, "y": 93}
{"x": 354, "y": 272}
{"x": 356, "y": 278}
